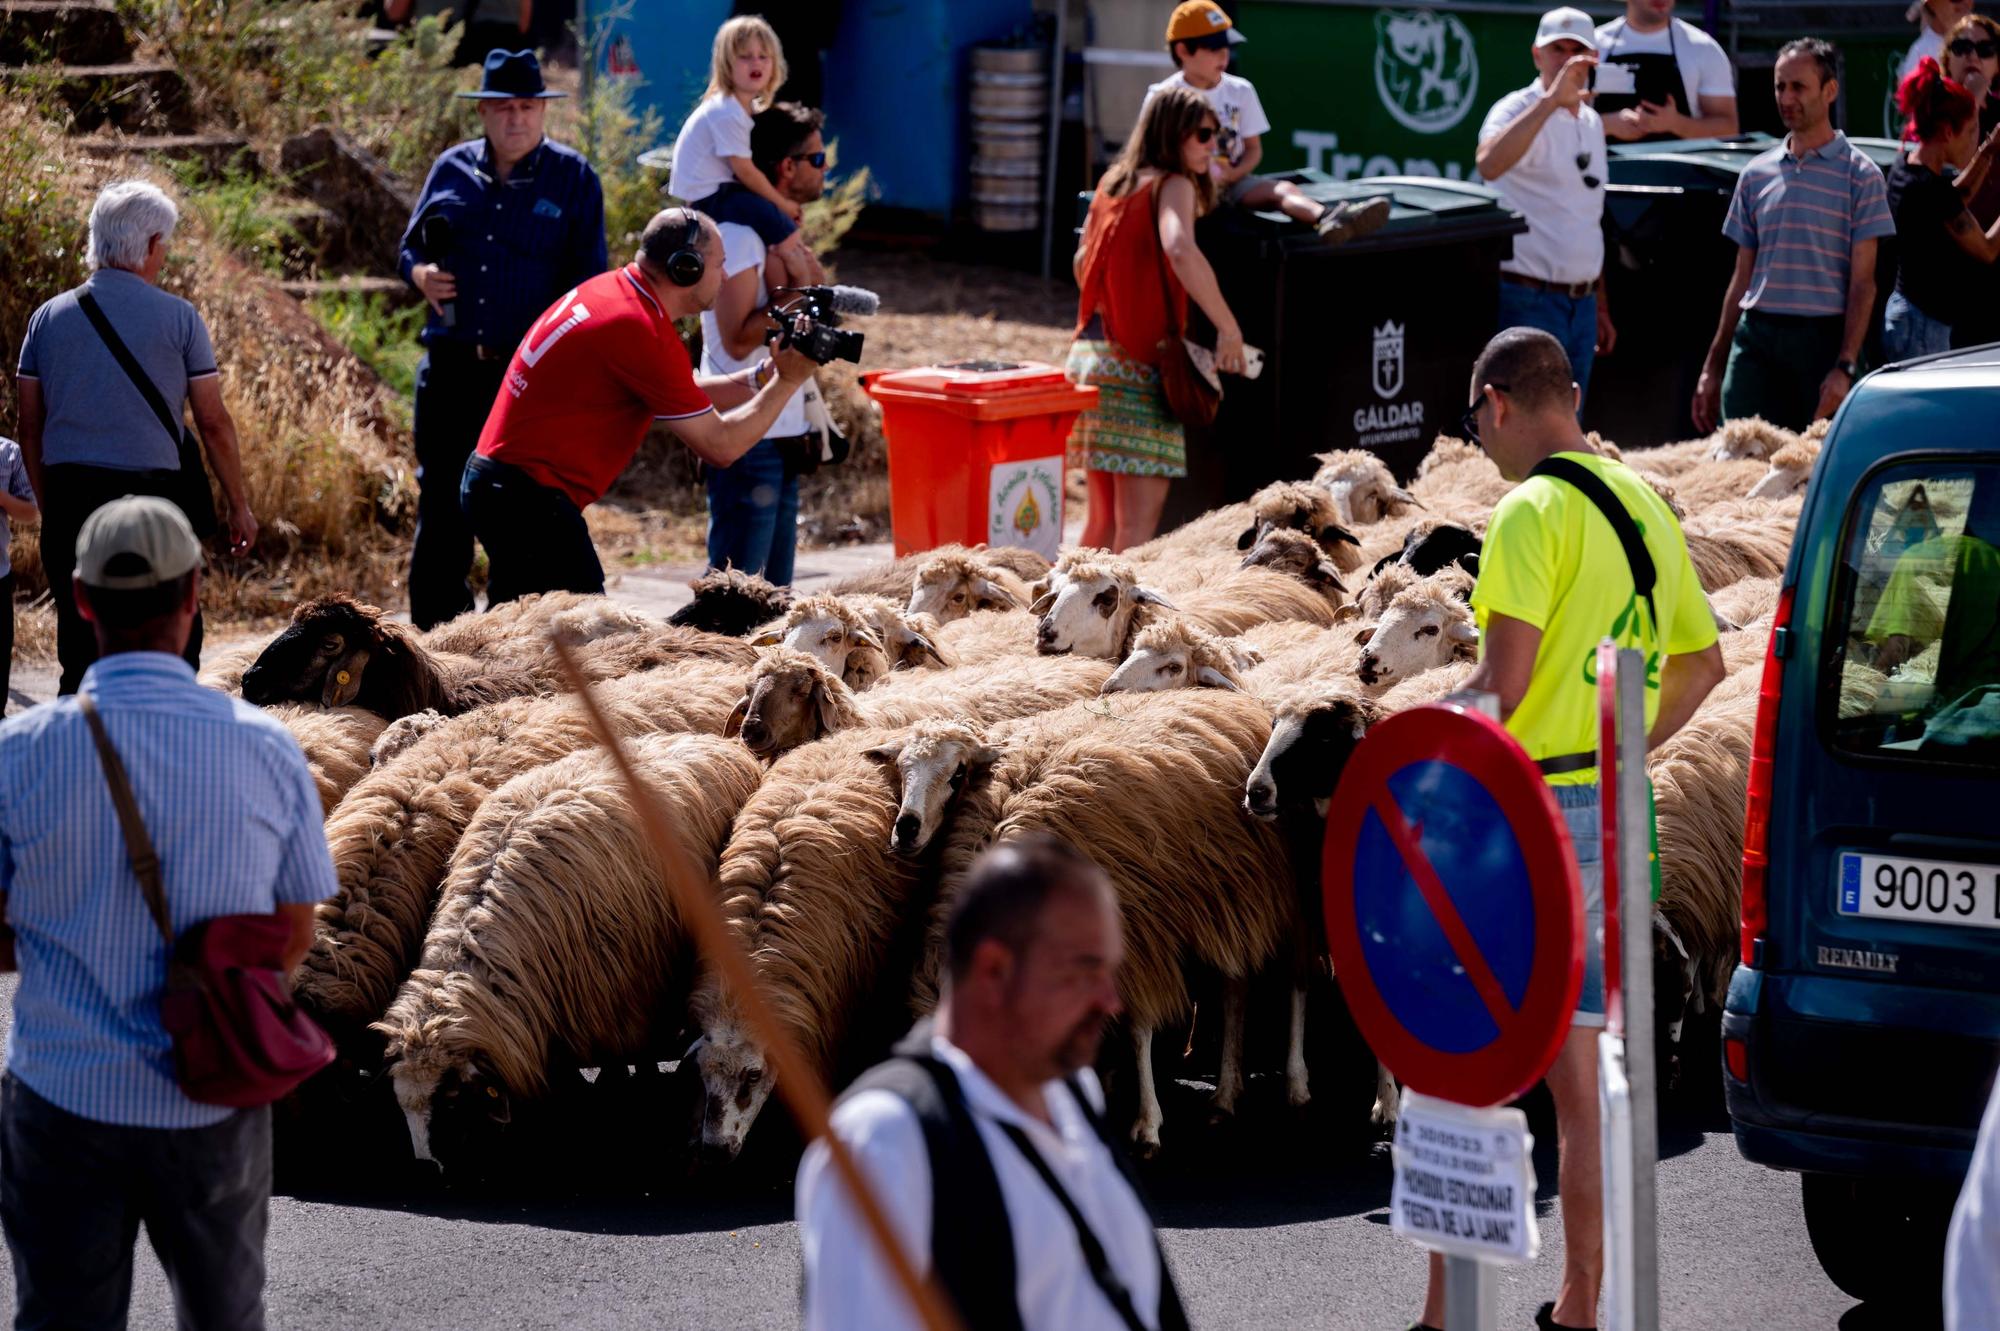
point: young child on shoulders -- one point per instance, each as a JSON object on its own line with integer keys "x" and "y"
{"x": 1199, "y": 37}
{"x": 712, "y": 169}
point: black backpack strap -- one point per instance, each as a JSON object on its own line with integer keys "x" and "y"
{"x": 1094, "y": 1256}
{"x": 1593, "y": 488}
{"x": 973, "y": 1254}
{"x": 1173, "y": 1316}
{"x": 133, "y": 371}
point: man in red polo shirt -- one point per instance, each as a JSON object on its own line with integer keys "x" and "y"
{"x": 600, "y": 366}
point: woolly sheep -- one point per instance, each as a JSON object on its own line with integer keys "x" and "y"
{"x": 1296, "y": 555}
{"x": 898, "y": 578}
{"x": 336, "y": 744}
{"x": 1432, "y": 544}
{"x": 224, "y": 670}
{"x": 1790, "y": 469}
{"x": 553, "y": 932}
{"x": 951, "y": 586}
{"x": 1425, "y": 625}
{"x": 1306, "y": 508}
{"x": 835, "y": 634}
{"x": 1146, "y": 788}
{"x": 1096, "y": 606}
{"x": 1212, "y": 532}
{"x": 1456, "y": 476}
{"x": 1750, "y": 437}
{"x": 1726, "y": 550}
{"x": 1174, "y": 653}
{"x": 393, "y": 835}
{"x": 731, "y": 602}
{"x": 1363, "y": 489}
{"x": 792, "y": 699}
{"x": 808, "y": 886}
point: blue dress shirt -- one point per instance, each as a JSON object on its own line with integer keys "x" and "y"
{"x": 516, "y": 246}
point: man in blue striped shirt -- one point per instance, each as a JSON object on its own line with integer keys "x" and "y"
{"x": 505, "y": 225}
{"x": 1805, "y": 218}
{"x": 96, "y": 1137}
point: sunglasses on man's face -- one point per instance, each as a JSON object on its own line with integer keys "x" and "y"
{"x": 1468, "y": 424}
{"x": 1965, "y": 46}
{"x": 817, "y": 159}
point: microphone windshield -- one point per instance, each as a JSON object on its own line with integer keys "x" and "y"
{"x": 854, "y": 300}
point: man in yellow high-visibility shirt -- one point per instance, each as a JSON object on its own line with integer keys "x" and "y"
{"x": 1583, "y": 548}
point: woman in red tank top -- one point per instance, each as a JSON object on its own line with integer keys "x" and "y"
{"x": 1138, "y": 254}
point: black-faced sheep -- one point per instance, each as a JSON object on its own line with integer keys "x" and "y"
{"x": 1432, "y": 545}
{"x": 951, "y": 586}
{"x": 898, "y": 578}
{"x": 393, "y": 835}
{"x": 1296, "y": 506}
{"x": 811, "y": 891}
{"x": 731, "y": 602}
{"x": 792, "y": 699}
{"x": 1363, "y": 488}
{"x": 336, "y": 742}
{"x": 554, "y": 936}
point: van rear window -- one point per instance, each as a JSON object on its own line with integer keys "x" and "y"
{"x": 1919, "y": 653}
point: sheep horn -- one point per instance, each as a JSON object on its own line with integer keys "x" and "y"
{"x": 1212, "y": 678}
{"x": 990, "y": 590}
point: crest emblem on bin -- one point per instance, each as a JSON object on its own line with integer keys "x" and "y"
{"x": 1388, "y": 378}
{"x": 1426, "y": 70}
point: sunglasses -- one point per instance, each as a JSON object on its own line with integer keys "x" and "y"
{"x": 1205, "y": 134}
{"x": 1583, "y": 165}
{"x": 1985, "y": 50}
{"x": 1215, "y": 41}
{"x": 817, "y": 159}
{"x": 1468, "y": 424}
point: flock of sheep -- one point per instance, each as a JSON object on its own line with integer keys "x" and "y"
{"x": 835, "y": 761}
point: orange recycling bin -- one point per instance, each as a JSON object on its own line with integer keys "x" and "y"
{"x": 976, "y": 452}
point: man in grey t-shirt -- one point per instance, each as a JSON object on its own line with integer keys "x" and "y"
{"x": 88, "y": 434}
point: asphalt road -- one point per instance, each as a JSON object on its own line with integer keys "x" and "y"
{"x": 1279, "y": 1224}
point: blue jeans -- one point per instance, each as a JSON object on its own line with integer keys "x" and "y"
{"x": 1907, "y": 332}
{"x": 1570, "y": 321}
{"x": 753, "y": 514}
{"x": 1580, "y": 812}
{"x": 736, "y": 203}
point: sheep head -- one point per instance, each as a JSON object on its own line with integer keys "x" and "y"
{"x": 835, "y": 634}
{"x": 1432, "y": 545}
{"x": 1306, "y": 508}
{"x": 1425, "y": 626}
{"x": 1090, "y": 607}
{"x": 1175, "y": 653}
{"x": 447, "y": 1090}
{"x": 907, "y": 637}
{"x": 1283, "y": 550}
{"x": 323, "y": 653}
{"x": 1748, "y": 437}
{"x": 791, "y": 699}
{"x": 735, "y": 1082}
{"x": 1364, "y": 491}
{"x": 1791, "y": 468}
{"x": 1312, "y": 737}
{"x": 933, "y": 766}
{"x": 732, "y": 602}
{"x": 952, "y": 586}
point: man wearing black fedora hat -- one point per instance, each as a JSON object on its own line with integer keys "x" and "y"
{"x": 506, "y": 223}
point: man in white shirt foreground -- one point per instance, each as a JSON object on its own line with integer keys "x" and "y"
{"x": 984, "y": 1139}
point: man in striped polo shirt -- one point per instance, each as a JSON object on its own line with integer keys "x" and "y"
{"x": 1805, "y": 219}
{"x": 96, "y": 1136}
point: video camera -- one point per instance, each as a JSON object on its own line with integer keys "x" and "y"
{"x": 809, "y": 321}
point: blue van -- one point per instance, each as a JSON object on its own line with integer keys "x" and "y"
{"x": 1862, "y": 1028}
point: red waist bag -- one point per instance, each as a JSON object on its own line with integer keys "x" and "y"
{"x": 239, "y": 1039}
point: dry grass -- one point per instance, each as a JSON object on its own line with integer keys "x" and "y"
{"x": 324, "y": 460}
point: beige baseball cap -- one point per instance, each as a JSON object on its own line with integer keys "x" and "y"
{"x": 134, "y": 543}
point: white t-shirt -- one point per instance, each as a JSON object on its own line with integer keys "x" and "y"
{"x": 1705, "y": 69}
{"x": 1928, "y": 43}
{"x": 1237, "y": 109}
{"x": 1548, "y": 187}
{"x": 717, "y": 129}
{"x": 849, "y": 1285}
{"x": 743, "y": 248}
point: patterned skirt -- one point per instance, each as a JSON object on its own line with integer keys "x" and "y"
{"x": 1130, "y": 432}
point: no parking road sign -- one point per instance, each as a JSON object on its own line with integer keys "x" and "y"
{"x": 1453, "y": 911}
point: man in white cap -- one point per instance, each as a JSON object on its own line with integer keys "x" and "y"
{"x": 1542, "y": 148}
{"x": 96, "y": 1135}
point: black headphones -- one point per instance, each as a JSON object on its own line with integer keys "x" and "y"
{"x": 685, "y": 265}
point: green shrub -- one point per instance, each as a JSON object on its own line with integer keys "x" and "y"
{"x": 381, "y": 332}
{"x": 241, "y": 211}
{"x": 41, "y": 232}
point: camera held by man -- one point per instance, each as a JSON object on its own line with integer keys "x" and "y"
{"x": 808, "y": 320}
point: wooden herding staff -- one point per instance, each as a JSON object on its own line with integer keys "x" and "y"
{"x": 798, "y": 1082}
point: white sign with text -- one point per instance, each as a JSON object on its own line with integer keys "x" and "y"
{"x": 1024, "y": 505}
{"x": 1465, "y": 1180}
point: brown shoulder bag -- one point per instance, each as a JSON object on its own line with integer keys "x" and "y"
{"x": 1189, "y": 396}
